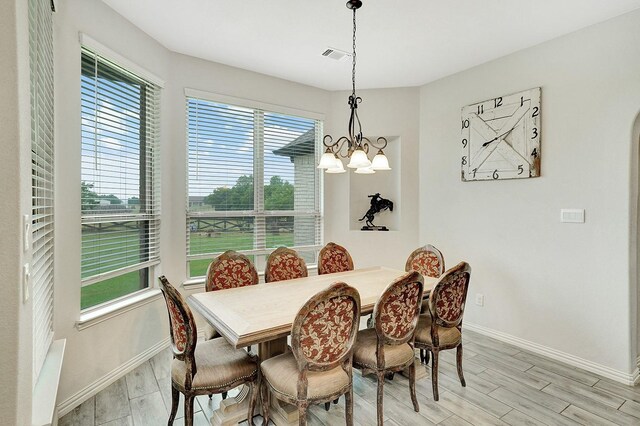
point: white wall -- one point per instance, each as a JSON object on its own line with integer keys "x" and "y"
{"x": 393, "y": 113}
{"x": 96, "y": 351}
{"x": 15, "y": 175}
{"x": 564, "y": 286}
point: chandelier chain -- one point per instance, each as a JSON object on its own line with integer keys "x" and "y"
{"x": 353, "y": 71}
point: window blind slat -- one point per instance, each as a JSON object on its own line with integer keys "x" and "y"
{"x": 252, "y": 181}
{"x": 42, "y": 174}
{"x": 119, "y": 164}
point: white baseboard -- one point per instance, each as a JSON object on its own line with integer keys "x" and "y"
{"x": 103, "y": 382}
{"x": 572, "y": 360}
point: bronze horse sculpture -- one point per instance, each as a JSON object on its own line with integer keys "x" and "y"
{"x": 378, "y": 204}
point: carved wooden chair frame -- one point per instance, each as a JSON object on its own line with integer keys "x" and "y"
{"x": 437, "y": 321}
{"x": 188, "y": 357}
{"x": 333, "y": 247}
{"x": 410, "y": 278}
{"x": 407, "y": 267}
{"x": 338, "y": 289}
{"x": 233, "y": 256}
{"x": 279, "y": 252}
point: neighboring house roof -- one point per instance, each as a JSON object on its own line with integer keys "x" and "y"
{"x": 304, "y": 144}
{"x": 196, "y": 199}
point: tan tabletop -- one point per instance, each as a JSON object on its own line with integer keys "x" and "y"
{"x": 259, "y": 313}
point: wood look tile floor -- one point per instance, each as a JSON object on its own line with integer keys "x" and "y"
{"x": 505, "y": 386}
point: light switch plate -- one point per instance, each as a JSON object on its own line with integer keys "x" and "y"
{"x": 572, "y": 215}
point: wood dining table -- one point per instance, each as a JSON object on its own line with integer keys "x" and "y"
{"x": 263, "y": 314}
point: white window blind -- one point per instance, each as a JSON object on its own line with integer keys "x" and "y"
{"x": 120, "y": 178}
{"x": 41, "y": 60}
{"x": 252, "y": 182}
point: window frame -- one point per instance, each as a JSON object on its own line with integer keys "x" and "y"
{"x": 259, "y": 211}
{"x": 149, "y": 182}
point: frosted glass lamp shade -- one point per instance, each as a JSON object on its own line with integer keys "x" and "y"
{"x": 338, "y": 168}
{"x": 380, "y": 162}
{"x": 359, "y": 159}
{"x": 328, "y": 160}
{"x": 365, "y": 171}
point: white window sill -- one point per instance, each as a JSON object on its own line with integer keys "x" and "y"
{"x": 95, "y": 316}
{"x": 43, "y": 407}
{"x": 195, "y": 284}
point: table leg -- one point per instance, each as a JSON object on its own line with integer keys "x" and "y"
{"x": 232, "y": 410}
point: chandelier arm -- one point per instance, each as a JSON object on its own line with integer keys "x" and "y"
{"x": 340, "y": 144}
{"x": 378, "y": 144}
{"x": 365, "y": 144}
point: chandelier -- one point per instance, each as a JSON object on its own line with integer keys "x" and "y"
{"x": 357, "y": 145}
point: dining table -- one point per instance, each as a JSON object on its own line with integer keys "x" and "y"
{"x": 262, "y": 315}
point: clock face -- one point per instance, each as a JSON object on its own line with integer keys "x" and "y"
{"x": 501, "y": 137}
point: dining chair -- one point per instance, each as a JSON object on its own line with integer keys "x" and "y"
{"x": 388, "y": 347}
{"x": 427, "y": 260}
{"x": 334, "y": 258}
{"x": 318, "y": 368}
{"x": 212, "y": 366}
{"x": 440, "y": 328}
{"x": 284, "y": 264}
{"x": 229, "y": 270}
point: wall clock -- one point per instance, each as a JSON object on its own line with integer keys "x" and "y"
{"x": 501, "y": 137}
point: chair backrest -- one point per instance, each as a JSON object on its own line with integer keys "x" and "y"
{"x": 230, "y": 270}
{"x": 334, "y": 258}
{"x": 448, "y": 297}
{"x": 284, "y": 264}
{"x": 427, "y": 260}
{"x": 325, "y": 328}
{"x": 397, "y": 310}
{"x": 181, "y": 323}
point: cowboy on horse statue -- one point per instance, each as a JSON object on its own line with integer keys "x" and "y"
{"x": 378, "y": 204}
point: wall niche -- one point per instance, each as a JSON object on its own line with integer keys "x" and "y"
{"x": 386, "y": 182}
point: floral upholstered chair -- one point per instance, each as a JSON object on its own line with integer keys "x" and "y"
{"x": 229, "y": 270}
{"x": 388, "y": 347}
{"x": 284, "y": 264}
{"x": 429, "y": 261}
{"x": 212, "y": 366}
{"x": 318, "y": 369}
{"x": 440, "y": 328}
{"x": 334, "y": 258}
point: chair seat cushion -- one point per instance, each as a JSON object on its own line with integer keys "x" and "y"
{"x": 282, "y": 374}
{"x": 364, "y": 351}
{"x": 219, "y": 364}
{"x": 447, "y": 336}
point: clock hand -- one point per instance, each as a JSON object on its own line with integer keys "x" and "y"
{"x": 497, "y": 137}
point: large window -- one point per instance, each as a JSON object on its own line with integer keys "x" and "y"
{"x": 252, "y": 183}
{"x": 119, "y": 189}
{"x": 41, "y": 58}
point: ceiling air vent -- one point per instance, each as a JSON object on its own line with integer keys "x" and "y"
{"x": 338, "y": 55}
